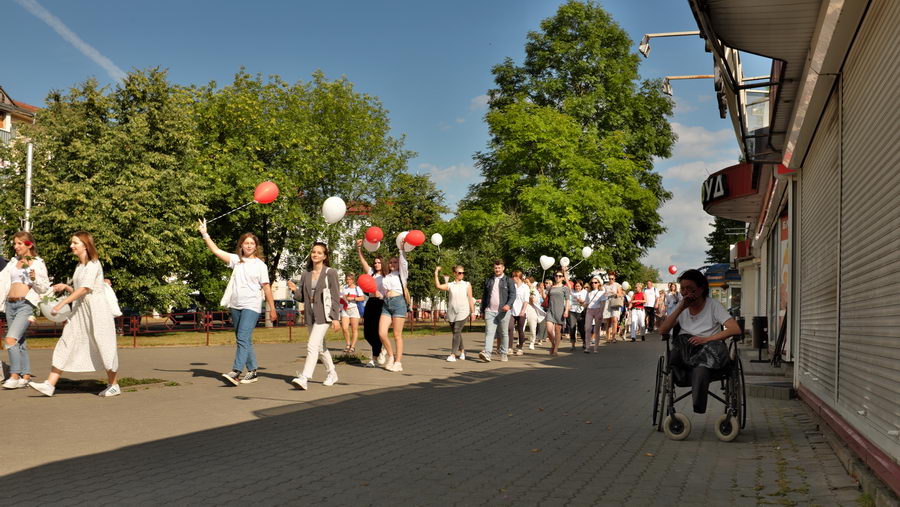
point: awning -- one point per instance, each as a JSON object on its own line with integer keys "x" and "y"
{"x": 734, "y": 192}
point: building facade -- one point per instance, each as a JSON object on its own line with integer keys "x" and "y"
{"x": 817, "y": 191}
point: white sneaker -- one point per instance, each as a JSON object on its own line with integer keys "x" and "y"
{"x": 531, "y": 346}
{"x": 43, "y": 388}
{"x": 300, "y": 382}
{"x": 396, "y": 367}
{"x": 451, "y": 358}
{"x": 462, "y": 356}
{"x": 370, "y": 364}
{"x": 330, "y": 379}
{"x": 389, "y": 363}
{"x": 113, "y": 390}
{"x": 15, "y": 383}
{"x": 382, "y": 357}
{"x": 484, "y": 356}
{"x": 504, "y": 358}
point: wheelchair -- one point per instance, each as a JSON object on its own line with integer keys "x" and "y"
{"x": 676, "y": 425}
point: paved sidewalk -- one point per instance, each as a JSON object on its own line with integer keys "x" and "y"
{"x": 572, "y": 430}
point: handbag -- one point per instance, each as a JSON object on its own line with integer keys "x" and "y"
{"x": 112, "y": 300}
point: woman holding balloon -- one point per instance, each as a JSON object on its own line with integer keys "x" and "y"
{"x": 373, "y": 284}
{"x": 393, "y": 313}
{"x": 249, "y": 275}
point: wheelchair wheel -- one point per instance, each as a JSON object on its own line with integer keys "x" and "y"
{"x": 740, "y": 392}
{"x": 727, "y": 427}
{"x": 657, "y": 388}
{"x": 677, "y": 426}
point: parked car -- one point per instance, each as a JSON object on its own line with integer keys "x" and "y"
{"x": 187, "y": 315}
{"x": 286, "y": 310}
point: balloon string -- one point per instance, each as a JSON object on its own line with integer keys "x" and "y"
{"x": 230, "y": 212}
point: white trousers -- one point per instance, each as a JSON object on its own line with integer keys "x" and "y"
{"x": 315, "y": 349}
{"x": 637, "y": 322}
{"x": 531, "y": 320}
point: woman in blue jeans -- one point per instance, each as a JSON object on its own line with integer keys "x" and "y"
{"x": 22, "y": 282}
{"x": 248, "y": 275}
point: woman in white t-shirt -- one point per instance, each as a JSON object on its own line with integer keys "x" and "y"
{"x": 249, "y": 276}
{"x": 700, "y": 343}
{"x": 595, "y": 303}
{"x": 460, "y": 305}
{"x": 350, "y": 295}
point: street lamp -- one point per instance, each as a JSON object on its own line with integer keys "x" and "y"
{"x": 644, "y": 46}
{"x": 667, "y": 86}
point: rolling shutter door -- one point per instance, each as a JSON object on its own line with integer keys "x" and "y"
{"x": 869, "y": 349}
{"x": 819, "y": 194}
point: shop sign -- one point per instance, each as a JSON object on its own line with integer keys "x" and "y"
{"x": 715, "y": 187}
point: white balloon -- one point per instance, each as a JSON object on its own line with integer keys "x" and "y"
{"x": 408, "y": 248}
{"x": 371, "y": 247}
{"x": 334, "y": 209}
{"x": 436, "y": 239}
{"x": 564, "y": 262}
{"x": 400, "y": 238}
{"x": 547, "y": 262}
{"x": 586, "y": 252}
{"x": 626, "y": 285}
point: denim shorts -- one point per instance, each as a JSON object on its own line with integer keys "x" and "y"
{"x": 17, "y": 313}
{"x": 394, "y": 307}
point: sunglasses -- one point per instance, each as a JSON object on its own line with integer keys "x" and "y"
{"x": 460, "y": 272}
{"x": 560, "y": 276}
{"x": 594, "y": 283}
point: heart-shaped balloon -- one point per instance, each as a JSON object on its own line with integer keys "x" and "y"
{"x": 547, "y": 262}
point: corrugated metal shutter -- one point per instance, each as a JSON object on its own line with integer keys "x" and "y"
{"x": 869, "y": 350}
{"x": 818, "y": 211}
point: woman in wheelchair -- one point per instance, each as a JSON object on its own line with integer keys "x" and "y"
{"x": 698, "y": 350}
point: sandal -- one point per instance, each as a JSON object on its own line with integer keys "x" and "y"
{"x": 352, "y": 350}
{"x": 346, "y": 349}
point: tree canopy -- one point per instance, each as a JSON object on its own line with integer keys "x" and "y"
{"x": 569, "y": 163}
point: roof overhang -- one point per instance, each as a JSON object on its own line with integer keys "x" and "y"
{"x": 734, "y": 192}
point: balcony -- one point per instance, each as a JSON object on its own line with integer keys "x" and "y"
{"x": 6, "y": 136}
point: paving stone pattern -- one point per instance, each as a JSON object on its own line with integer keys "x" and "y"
{"x": 574, "y": 430}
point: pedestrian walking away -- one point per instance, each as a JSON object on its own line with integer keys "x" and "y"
{"x": 242, "y": 296}
{"x": 88, "y": 341}
{"x": 496, "y": 303}
{"x": 318, "y": 291}
{"x": 374, "y": 304}
{"x": 22, "y": 281}
{"x": 460, "y": 305}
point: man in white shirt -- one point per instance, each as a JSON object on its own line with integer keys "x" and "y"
{"x": 651, "y": 296}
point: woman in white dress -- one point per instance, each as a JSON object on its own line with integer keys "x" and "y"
{"x": 460, "y": 304}
{"x": 88, "y": 341}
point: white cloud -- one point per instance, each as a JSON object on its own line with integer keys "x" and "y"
{"x": 699, "y": 143}
{"x": 684, "y": 242}
{"x": 86, "y": 49}
{"x": 696, "y": 171}
{"x": 478, "y": 103}
{"x": 460, "y": 120}
{"x": 454, "y": 172}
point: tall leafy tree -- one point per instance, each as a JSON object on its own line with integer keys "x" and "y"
{"x": 314, "y": 139}
{"x": 118, "y": 163}
{"x": 573, "y": 135}
{"x": 725, "y": 233}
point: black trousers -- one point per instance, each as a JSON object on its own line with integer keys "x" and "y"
{"x": 371, "y": 317}
{"x": 516, "y": 324}
{"x": 576, "y": 324}
{"x": 651, "y": 319}
{"x": 700, "y": 378}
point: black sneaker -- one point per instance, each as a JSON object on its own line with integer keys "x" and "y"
{"x": 232, "y": 377}
{"x": 250, "y": 377}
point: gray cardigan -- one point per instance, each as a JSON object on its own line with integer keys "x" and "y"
{"x": 314, "y": 298}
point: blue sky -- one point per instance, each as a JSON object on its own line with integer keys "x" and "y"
{"x": 428, "y": 62}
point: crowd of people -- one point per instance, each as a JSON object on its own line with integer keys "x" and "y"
{"x": 598, "y": 312}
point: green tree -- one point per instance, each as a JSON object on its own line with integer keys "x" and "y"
{"x": 313, "y": 139}
{"x": 725, "y": 233}
{"x": 569, "y": 164}
{"x": 118, "y": 163}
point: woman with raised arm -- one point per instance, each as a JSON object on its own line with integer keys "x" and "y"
{"x": 393, "y": 313}
{"x": 460, "y": 304}
{"x": 249, "y": 276}
{"x": 372, "y": 311}
{"x": 88, "y": 341}
{"x": 319, "y": 291}
{"x": 22, "y": 282}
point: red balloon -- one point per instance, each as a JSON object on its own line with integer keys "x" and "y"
{"x": 374, "y": 234}
{"x": 673, "y": 269}
{"x": 415, "y": 237}
{"x": 265, "y": 192}
{"x": 367, "y": 283}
